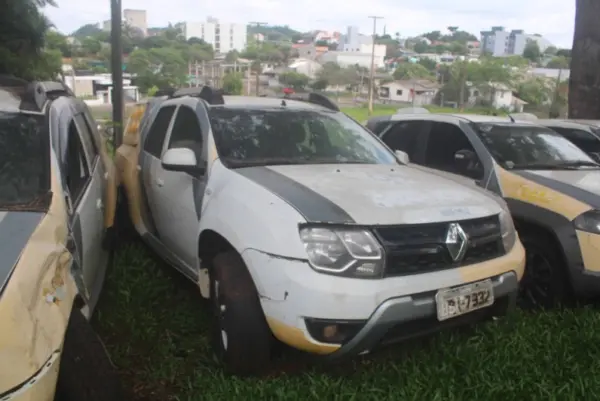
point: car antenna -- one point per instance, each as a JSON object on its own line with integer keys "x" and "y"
{"x": 512, "y": 120}
{"x": 283, "y": 103}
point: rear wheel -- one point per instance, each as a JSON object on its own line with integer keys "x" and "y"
{"x": 241, "y": 336}
{"x": 545, "y": 283}
{"x": 86, "y": 371}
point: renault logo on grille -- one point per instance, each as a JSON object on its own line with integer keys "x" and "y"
{"x": 457, "y": 242}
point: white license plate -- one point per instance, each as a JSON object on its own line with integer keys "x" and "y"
{"x": 467, "y": 298}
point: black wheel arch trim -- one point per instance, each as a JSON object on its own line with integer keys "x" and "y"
{"x": 563, "y": 231}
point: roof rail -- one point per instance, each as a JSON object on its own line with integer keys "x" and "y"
{"x": 205, "y": 92}
{"x": 36, "y": 93}
{"x": 314, "y": 98}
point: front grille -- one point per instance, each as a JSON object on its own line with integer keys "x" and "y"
{"x": 420, "y": 248}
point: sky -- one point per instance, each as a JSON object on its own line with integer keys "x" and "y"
{"x": 554, "y": 19}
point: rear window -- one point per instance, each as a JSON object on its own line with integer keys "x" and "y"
{"x": 288, "y": 136}
{"x": 24, "y": 162}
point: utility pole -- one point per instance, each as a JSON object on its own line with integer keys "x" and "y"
{"x": 372, "y": 73}
{"x": 117, "y": 70}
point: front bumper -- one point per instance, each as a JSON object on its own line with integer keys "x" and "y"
{"x": 39, "y": 387}
{"x": 401, "y": 318}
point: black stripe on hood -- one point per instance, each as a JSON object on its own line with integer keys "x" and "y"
{"x": 314, "y": 207}
{"x": 573, "y": 191}
{"x": 15, "y": 230}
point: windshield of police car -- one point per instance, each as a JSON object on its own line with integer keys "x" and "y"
{"x": 251, "y": 137}
{"x": 23, "y": 156}
{"x": 527, "y": 147}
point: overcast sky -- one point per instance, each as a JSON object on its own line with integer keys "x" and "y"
{"x": 551, "y": 18}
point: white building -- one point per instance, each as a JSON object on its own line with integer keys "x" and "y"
{"x": 136, "y": 19}
{"x": 349, "y": 58}
{"x": 308, "y": 67}
{"x": 223, "y": 37}
{"x": 417, "y": 91}
{"x": 500, "y": 42}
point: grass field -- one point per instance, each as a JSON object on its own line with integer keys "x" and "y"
{"x": 156, "y": 326}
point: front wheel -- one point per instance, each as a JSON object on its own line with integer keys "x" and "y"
{"x": 86, "y": 371}
{"x": 545, "y": 284}
{"x": 241, "y": 336}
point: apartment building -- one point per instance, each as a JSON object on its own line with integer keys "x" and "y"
{"x": 500, "y": 42}
{"x": 136, "y": 19}
{"x": 223, "y": 37}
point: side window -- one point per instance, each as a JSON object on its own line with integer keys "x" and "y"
{"x": 186, "y": 132}
{"x": 582, "y": 139}
{"x": 158, "y": 130}
{"x": 77, "y": 168}
{"x": 404, "y": 136}
{"x": 87, "y": 138}
{"x": 444, "y": 141}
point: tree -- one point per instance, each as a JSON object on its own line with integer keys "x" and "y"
{"x": 428, "y": 63}
{"x": 91, "y": 46}
{"x": 564, "y": 53}
{"x": 550, "y": 51}
{"x": 56, "y": 41}
{"x": 232, "y": 56}
{"x": 294, "y": 79}
{"x": 23, "y": 49}
{"x": 532, "y": 51}
{"x": 158, "y": 67}
{"x": 535, "y": 91}
{"x": 233, "y": 83}
{"x": 86, "y": 30}
{"x": 584, "y": 91}
{"x": 411, "y": 71}
{"x": 421, "y": 47}
{"x": 558, "y": 62}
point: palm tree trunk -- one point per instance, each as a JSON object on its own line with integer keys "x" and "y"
{"x": 584, "y": 80}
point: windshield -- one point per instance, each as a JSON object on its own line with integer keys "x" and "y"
{"x": 246, "y": 137}
{"x": 24, "y": 170}
{"x": 523, "y": 147}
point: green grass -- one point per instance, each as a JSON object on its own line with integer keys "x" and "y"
{"x": 155, "y": 326}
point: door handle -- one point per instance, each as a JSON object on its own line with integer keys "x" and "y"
{"x": 99, "y": 204}
{"x": 160, "y": 182}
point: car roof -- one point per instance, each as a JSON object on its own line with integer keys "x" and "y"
{"x": 264, "y": 102}
{"x": 451, "y": 117}
{"x": 551, "y": 122}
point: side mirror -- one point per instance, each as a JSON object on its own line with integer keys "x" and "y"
{"x": 402, "y": 156}
{"x": 181, "y": 159}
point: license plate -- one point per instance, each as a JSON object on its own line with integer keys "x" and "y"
{"x": 454, "y": 302}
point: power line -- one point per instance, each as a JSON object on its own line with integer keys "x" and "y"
{"x": 372, "y": 72}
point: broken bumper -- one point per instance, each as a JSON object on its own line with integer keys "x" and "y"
{"x": 398, "y": 319}
{"x": 39, "y": 387}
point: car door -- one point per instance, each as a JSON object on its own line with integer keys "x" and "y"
{"x": 150, "y": 156}
{"x": 180, "y": 194}
{"x": 408, "y": 136}
{"x": 85, "y": 183}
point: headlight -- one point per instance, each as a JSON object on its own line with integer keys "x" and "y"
{"x": 344, "y": 252}
{"x": 507, "y": 228}
{"x": 588, "y": 221}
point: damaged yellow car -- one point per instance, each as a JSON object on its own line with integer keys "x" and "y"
{"x": 55, "y": 179}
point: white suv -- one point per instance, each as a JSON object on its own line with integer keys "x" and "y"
{"x": 300, "y": 224}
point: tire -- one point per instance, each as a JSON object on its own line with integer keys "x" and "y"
{"x": 86, "y": 371}
{"x": 241, "y": 336}
{"x": 545, "y": 284}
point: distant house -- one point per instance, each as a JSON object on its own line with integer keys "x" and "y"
{"x": 417, "y": 91}
{"x": 307, "y": 67}
{"x": 496, "y": 95}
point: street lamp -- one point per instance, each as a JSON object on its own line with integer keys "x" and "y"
{"x": 117, "y": 70}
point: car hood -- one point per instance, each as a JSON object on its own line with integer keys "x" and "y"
{"x": 15, "y": 230}
{"x": 371, "y": 194}
{"x": 583, "y": 185}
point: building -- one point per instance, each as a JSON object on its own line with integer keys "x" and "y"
{"x": 353, "y": 40}
{"x": 136, "y": 19}
{"x": 417, "y": 91}
{"x": 348, "y": 58}
{"x": 499, "y": 42}
{"x": 308, "y": 67}
{"x": 224, "y": 37}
